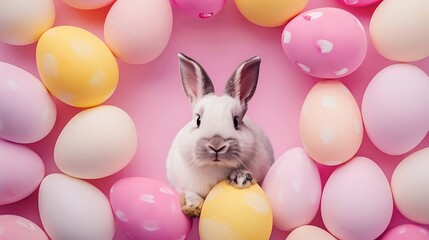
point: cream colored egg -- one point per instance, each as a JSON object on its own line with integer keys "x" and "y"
{"x": 22, "y": 22}
{"x": 399, "y": 30}
{"x": 308, "y": 232}
{"x": 72, "y": 209}
{"x": 230, "y": 213}
{"x": 410, "y": 182}
{"x": 96, "y": 143}
{"x": 330, "y": 123}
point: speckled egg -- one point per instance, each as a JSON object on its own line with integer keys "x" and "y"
{"x": 76, "y": 66}
{"x": 231, "y": 213}
{"x": 325, "y": 42}
{"x": 27, "y": 112}
{"x": 330, "y": 123}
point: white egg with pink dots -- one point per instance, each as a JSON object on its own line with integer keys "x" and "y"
{"x": 325, "y": 42}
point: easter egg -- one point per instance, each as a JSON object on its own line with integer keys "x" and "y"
{"x": 356, "y": 201}
{"x": 309, "y": 232}
{"x": 22, "y": 22}
{"x": 27, "y": 112}
{"x": 330, "y": 123}
{"x": 409, "y": 186}
{"x": 138, "y": 31}
{"x": 19, "y": 228}
{"x": 320, "y": 50}
{"x": 96, "y": 143}
{"x": 407, "y": 231}
{"x": 359, "y": 3}
{"x": 87, "y": 4}
{"x": 293, "y": 188}
{"x": 21, "y": 172}
{"x": 394, "y": 106}
{"x": 199, "y": 8}
{"x": 231, "y": 213}
{"x": 399, "y": 31}
{"x": 71, "y": 208}
{"x": 148, "y": 209}
{"x": 76, "y": 66}
{"x": 270, "y": 13}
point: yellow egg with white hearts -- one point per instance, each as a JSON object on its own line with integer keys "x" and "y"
{"x": 76, "y": 66}
{"x": 230, "y": 213}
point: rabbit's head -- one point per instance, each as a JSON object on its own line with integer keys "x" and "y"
{"x": 217, "y": 135}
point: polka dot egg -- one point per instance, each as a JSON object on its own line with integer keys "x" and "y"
{"x": 148, "y": 209}
{"x": 231, "y": 213}
{"x": 330, "y": 123}
{"x": 325, "y": 42}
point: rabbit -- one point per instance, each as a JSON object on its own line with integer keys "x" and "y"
{"x": 219, "y": 142}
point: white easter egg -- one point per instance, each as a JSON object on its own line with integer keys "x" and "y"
{"x": 96, "y": 143}
{"x": 22, "y": 22}
{"x": 73, "y": 209}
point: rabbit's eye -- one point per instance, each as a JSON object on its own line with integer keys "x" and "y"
{"x": 198, "y": 121}
{"x": 236, "y": 122}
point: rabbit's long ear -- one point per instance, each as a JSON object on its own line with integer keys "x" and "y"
{"x": 243, "y": 81}
{"x": 195, "y": 80}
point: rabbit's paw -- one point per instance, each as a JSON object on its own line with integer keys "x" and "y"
{"x": 191, "y": 204}
{"x": 241, "y": 178}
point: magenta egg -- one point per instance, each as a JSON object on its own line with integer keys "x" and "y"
{"x": 148, "y": 209}
{"x": 200, "y": 8}
{"x": 359, "y": 3}
{"x": 325, "y": 42}
{"x": 407, "y": 231}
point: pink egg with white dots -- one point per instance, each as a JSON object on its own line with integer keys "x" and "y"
{"x": 325, "y": 42}
{"x": 148, "y": 209}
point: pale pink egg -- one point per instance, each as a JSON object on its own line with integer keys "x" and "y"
{"x": 407, "y": 231}
{"x": 359, "y": 3}
{"x": 325, "y": 42}
{"x": 19, "y": 228}
{"x": 330, "y": 123}
{"x": 21, "y": 172}
{"x": 148, "y": 209}
{"x": 394, "y": 107}
{"x": 27, "y": 111}
{"x": 356, "y": 201}
{"x": 293, "y": 188}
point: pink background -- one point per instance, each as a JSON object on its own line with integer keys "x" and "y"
{"x": 153, "y": 96}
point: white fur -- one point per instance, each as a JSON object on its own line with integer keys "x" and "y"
{"x": 183, "y": 170}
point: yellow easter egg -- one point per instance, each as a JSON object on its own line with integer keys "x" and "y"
{"x": 76, "y": 66}
{"x": 270, "y": 13}
{"x": 230, "y": 213}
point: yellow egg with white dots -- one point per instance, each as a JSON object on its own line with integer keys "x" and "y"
{"x": 76, "y": 66}
{"x": 230, "y": 213}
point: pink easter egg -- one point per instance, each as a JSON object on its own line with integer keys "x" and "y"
{"x": 200, "y": 8}
{"x": 394, "y": 106}
{"x": 356, "y": 201}
{"x": 406, "y": 232}
{"x": 21, "y": 171}
{"x": 148, "y": 209}
{"x": 19, "y": 228}
{"x": 293, "y": 188}
{"x": 325, "y": 42}
{"x": 359, "y": 3}
{"x": 27, "y": 111}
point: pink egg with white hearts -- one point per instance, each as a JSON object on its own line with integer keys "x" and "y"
{"x": 27, "y": 111}
{"x": 325, "y": 42}
{"x": 359, "y": 3}
{"x": 19, "y": 228}
{"x": 407, "y": 231}
{"x": 148, "y": 209}
{"x": 21, "y": 171}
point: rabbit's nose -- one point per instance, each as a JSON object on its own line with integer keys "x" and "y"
{"x": 217, "y": 145}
